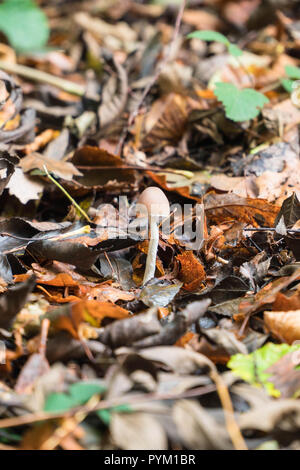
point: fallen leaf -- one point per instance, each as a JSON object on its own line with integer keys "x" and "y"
{"x": 64, "y": 170}
{"x": 284, "y": 325}
{"x": 191, "y": 271}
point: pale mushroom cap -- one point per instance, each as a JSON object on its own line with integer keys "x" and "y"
{"x": 155, "y": 201}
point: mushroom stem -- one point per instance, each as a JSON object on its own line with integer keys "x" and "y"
{"x": 152, "y": 250}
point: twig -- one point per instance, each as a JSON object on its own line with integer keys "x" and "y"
{"x": 43, "y": 77}
{"x": 231, "y": 424}
{"x": 269, "y": 229}
{"x": 186, "y": 173}
{"x": 82, "y": 212}
{"x": 106, "y": 404}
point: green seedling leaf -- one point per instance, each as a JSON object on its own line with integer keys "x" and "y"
{"x": 210, "y": 36}
{"x": 251, "y": 367}
{"x": 287, "y": 84}
{"x": 78, "y": 394}
{"x": 292, "y": 72}
{"x": 240, "y": 105}
{"x": 234, "y": 50}
{"x": 105, "y": 415}
{"x": 24, "y": 24}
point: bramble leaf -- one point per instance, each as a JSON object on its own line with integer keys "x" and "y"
{"x": 240, "y": 105}
{"x": 24, "y": 24}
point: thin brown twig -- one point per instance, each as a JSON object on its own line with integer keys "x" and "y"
{"x": 106, "y": 404}
{"x": 231, "y": 424}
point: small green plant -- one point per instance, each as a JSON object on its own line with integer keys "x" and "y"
{"x": 78, "y": 394}
{"x": 252, "y": 367}
{"x": 24, "y": 24}
{"x": 294, "y": 74}
{"x": 240, "y": 105}
{"x": 214, "y": 36}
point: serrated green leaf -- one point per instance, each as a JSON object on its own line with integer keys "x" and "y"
{"x": 24, "y": 24}
{"x": 78, "y": 394}
{"x": 292, "y": 72}
{"x": 240, "y": 105}
{"x": 251, "y": 367}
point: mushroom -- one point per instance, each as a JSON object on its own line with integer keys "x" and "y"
{"x": 157, "y": 205}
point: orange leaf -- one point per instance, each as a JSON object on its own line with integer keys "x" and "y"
{"x": 284, "y": 325}
{"x": 192, "y": 272}
{"x": 70, "y": 317}
{"x": 183, "y": 191}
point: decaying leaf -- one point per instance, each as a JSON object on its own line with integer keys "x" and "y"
{"x": 284, "y": 325}
{"x": 64, "y": 170}
{"x": 137, "y": 431}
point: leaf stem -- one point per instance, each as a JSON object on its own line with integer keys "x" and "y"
{"x": 82, "y": 212}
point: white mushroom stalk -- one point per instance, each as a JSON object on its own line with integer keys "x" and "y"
{"x": 158, "y": 207}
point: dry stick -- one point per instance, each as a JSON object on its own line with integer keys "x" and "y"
{"x": 160, "y": 67}
{"x": 186, "y": 173}
{"x": 106, "y": 404}
{"x": 43, "y": 77}
{"x": 231, "y": 424}
{"x": 269, "y": 229}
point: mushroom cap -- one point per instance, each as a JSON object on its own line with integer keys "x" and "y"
{"x": 155, "y": 201}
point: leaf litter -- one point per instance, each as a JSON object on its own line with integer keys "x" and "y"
{"x": 94, "y": 107}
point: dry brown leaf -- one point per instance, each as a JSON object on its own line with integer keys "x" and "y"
{"x": 191, "y": 272}
{"x": 71, "y": 316}
{"x": 284, "y": 325}
{"x": 24, "y": 187}
{"x": 64, "y": 170}
{"x": 223, "y": 207}
{"x": 137, "y": 431}
{"x": 198, "y": 429}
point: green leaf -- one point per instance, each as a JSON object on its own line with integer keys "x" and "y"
{"x": 24, "y": 24}
{"x": 78, "y": 394}
{"x": 105, "y": 415}
{"x": 292, "y": 72}
{"x": 234, "y": 50}
{"x": 209, "y": 36}
{"x": 251, "y": 367}
{"x": 58, "y": 402}
{"x": 81, "y": 392}
{"x": 287, "y": 84}
{"x": 240, "y": 105}
{"x": 218, "y": 37}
